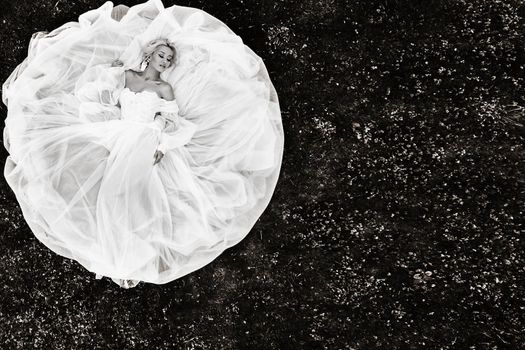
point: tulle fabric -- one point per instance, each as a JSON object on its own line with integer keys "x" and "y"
{"x": 81, "y": 145}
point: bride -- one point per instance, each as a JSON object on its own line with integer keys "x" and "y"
{"x": 145, "y": 147}
{"x": 159, "y": 57}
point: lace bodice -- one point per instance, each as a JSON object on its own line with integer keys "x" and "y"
{"x": 142, "y": 106}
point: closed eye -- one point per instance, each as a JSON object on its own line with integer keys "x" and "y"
{"x": 161, "y": 56}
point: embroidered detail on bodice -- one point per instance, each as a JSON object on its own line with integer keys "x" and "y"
{"x": 139, "y": 106}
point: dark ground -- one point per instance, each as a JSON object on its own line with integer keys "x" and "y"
{"x": 397, "y": 220}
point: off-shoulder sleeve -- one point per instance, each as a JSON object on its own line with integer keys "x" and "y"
{"x": 98, "y": 90}
{"x": 176, "y": 131}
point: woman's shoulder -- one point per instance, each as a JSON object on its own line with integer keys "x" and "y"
{"x": 130, "y": 73}
{"x": 166, "y": 90}
{"x": 130, "y": 76}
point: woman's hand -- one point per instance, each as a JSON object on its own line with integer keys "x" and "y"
{"x": 117, "y": 63}
{"x": 157, "y": 156}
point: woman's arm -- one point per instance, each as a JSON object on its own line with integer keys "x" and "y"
{"x": 178, "y": 136}
{"x": 176, "y": 131}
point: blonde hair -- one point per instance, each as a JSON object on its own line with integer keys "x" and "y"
{"x": 152, "y": 46}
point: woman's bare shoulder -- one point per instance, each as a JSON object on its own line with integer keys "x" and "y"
{"x": 131, "y": 76}
{"x": 166, "y": 91}
{"x": 130, "y": 73}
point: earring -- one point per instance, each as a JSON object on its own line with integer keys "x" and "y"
{"x": 145, "y": 62}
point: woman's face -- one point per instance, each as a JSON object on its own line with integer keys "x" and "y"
{"x": 161, "y": 58}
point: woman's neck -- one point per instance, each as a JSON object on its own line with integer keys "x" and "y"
{"x": 150, "y": 73}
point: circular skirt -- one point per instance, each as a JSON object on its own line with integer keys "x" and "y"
{"x": 86, "y": 182}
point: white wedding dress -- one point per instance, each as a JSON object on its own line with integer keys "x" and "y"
{"x": 81, "y": 144}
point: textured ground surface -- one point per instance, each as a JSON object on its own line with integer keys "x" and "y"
{"x": 396, "y": 221}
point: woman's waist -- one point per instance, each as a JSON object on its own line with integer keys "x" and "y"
{"x": 144, "y": 123}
